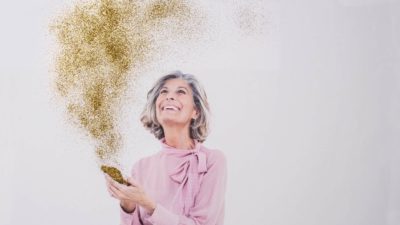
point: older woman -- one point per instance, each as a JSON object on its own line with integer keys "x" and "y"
{"x": 183, "y": 183}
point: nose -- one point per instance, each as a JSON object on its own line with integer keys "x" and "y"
{"x": 170, "y": 96}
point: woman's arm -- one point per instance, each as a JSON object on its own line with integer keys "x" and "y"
{"x": 128, "y": 207}
{"x": 129, "y": 197}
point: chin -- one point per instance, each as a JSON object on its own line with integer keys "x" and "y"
{"x": 171, "y": 121}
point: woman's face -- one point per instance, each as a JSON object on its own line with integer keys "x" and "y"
{"x": 174, "y": 104}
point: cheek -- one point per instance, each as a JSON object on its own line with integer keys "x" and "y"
{"x": 189, "y": 106}
{"x": 158, "y": 101}
{"x": 157, "y": 104}
{"x": 187, "y": 100}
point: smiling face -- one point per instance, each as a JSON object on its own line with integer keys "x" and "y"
{"x": 174, "y": 104}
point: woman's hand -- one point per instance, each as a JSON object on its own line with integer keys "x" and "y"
{"x": 129, "y": 196}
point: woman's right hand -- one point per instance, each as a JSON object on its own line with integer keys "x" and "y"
{"x": 126, "y": 205}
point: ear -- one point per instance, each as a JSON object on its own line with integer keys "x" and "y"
{"x": 195, "y": 113}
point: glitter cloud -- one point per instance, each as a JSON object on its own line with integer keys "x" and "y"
{"x": 102, "y": 44}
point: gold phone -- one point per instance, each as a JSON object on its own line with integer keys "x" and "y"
{"x": 114, "y": 173}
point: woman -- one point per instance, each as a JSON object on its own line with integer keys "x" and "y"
{"x": 183, "y": 183}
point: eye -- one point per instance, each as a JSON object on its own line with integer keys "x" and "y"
{"x": 181, "y": 92}
{"x": 163, "y": 91}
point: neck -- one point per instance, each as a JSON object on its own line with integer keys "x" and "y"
{"x": 178, "y": 138}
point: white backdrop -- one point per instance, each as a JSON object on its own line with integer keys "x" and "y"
{"x": 307, "y": 114}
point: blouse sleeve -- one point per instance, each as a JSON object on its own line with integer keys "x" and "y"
{"x": 134, "y": 217}
{"x": 209, "y": 208}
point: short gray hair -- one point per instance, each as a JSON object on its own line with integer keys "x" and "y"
{"x": 199, "y": 127}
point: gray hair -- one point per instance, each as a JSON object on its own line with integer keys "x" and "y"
{"x": 199, "y": 127}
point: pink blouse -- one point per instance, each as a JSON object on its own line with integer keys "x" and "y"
{"x": 187, "y": 185}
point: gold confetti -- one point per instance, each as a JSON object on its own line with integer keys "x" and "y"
{"x": 114, "y": 173}
{"x": 102, "y": 44}
{"x": 249, "y": 17}
{"x": 102, "y": 47}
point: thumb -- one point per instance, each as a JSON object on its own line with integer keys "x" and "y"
{"x": 133, "y": 182}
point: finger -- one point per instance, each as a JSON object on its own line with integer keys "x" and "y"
{"x": 114, "y": 188}
{"x": 114, "y": 193}
{"x": 133, "y": 182}
{"x": 114, "y": 183}
{"x": 126, "y": 192}
{"x": 118, "y": 193}
{"x": 110, "y": 184}
{"x": 119, "y": 186}
{"x": 111, "y": 192}
{"x": 108, "y": 178}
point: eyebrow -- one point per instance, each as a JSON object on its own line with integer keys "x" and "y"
{"x": 178, "y": 87}
{"x": 184, "y": 88}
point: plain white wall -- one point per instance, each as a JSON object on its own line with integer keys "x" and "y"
{"x": 307, "y": 114}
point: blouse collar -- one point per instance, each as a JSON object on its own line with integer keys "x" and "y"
{"x": 169, "y": 149}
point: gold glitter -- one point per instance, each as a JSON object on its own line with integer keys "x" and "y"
{"x": 114, "y": 173}
{"x": 161, "y": 9}
{"x": 249, "y": 17}
{"x": 102, "y": 45}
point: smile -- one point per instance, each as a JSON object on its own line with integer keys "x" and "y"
{"x": 170, "y": 108}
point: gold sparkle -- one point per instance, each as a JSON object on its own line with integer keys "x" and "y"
{"x": 114, "y": 173}
{"x": 102, "y": 43}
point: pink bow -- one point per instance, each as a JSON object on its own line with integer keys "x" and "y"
{"x": 180, "y": 173}
{"x": 188, "y": 177}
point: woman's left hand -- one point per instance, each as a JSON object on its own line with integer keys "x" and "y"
{"x": 132, "y": 193}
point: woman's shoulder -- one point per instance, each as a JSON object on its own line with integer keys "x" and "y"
{"x": 214, "y": 156}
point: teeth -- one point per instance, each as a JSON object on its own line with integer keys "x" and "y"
{"x": 171, "y": 107}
